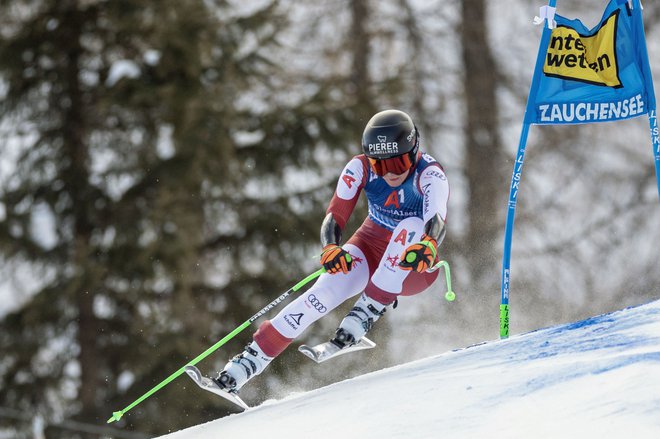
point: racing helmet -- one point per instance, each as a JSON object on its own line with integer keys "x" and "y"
{"x": 391, "y": 142}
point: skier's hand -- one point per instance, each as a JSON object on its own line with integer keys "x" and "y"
{"x": 420, "y": 256}
{"x": 335, "y": 259}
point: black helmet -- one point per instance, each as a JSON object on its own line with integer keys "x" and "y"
{"x": 389, "y": 134}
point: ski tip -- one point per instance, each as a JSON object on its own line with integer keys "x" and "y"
{"x": 308, "y": 352}
{"x": 210, "y": 386}
{"x": 241, "y": 403}
{"x": 368, "y": 344}
{"x": 193, "y": 373}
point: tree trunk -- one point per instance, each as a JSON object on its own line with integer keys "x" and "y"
{"x": 483, "y": 147}
{"x": 77, "y": 184}
{"x": 359, "y": 40}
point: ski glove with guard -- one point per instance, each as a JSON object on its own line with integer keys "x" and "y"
{"x": 420, "y": 256}
{"x": 335, "y": 259}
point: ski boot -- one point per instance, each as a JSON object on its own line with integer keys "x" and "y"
{"x": 240, "y": 369}
{"x": 358, "y": 321}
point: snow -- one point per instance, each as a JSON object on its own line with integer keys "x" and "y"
{"x": 597, "y": 378}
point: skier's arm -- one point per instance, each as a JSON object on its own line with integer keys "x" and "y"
{"x": 333, "y": 258}
{"x": 330, "y": 231}
{"x": 351, "y": 181}
{"x": 422, "y": 255}
{"x": 349, "y": 186}
{"x": 433, "y": 184}
{"x": 435, "y": 228}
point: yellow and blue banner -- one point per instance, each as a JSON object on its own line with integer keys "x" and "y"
{"x": 594, "y": 75}
{"x": 584, "y": 76}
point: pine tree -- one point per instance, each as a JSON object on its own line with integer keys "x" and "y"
{"x": 166, "y": 162}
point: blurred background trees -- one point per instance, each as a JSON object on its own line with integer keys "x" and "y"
{"x": 165, "y": 166}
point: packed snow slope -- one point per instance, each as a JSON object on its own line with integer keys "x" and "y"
{"x": 598, "y": 378}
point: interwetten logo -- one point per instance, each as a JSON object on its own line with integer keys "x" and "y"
{"x": 586, "y": 58}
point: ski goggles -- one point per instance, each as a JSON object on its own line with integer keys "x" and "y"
{"x": 396, "y": 165}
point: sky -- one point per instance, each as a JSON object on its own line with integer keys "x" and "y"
{"x": 597, "y": 378}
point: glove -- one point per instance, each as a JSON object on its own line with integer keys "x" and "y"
{"x": 420, "y": 256}
{"x": 335, "y": 259}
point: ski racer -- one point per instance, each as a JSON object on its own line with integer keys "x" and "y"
{"x": 388, "y": 256}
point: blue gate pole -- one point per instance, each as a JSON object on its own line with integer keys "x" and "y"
{"x": 517, "y": 176}
{"x": 650, "y": 91}
{"x": 655, "y": 139}
{"x": 508, "y": 232}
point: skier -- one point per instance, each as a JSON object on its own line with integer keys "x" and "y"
{"x": 388, "y": 256}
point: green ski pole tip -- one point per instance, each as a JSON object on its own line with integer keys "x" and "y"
{"x": 116, "y": 416}
{"x": 450, "y": 296}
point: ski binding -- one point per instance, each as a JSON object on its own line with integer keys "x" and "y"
{"x": 210, "y": 386}
{"x": 325, "y": 351}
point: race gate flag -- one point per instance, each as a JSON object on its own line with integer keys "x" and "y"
{"x": 596, "y": 75}
{"x": 584, "y": 76}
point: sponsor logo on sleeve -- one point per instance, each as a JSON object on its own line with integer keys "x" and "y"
{"x": 349, "y": 182}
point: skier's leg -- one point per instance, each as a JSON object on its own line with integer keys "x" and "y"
{"x": 329, "y": 292}
{"x": 385, "y": 285}
{"x": 273, "y": 336}
{"x": 387, "y": 281}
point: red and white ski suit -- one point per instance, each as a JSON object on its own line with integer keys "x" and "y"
{"x": 397, "y": 216}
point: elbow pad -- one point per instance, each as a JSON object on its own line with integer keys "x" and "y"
{"x": 330, "y": 231}
{"x": 435, "y": 228}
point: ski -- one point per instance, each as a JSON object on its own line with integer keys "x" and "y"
{"x": 325, "y": 351}
{"x": 210, "y": 386}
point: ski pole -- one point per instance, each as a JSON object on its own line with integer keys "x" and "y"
{"x": 450, "y": 296}
{"x": 116, "y": 416}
